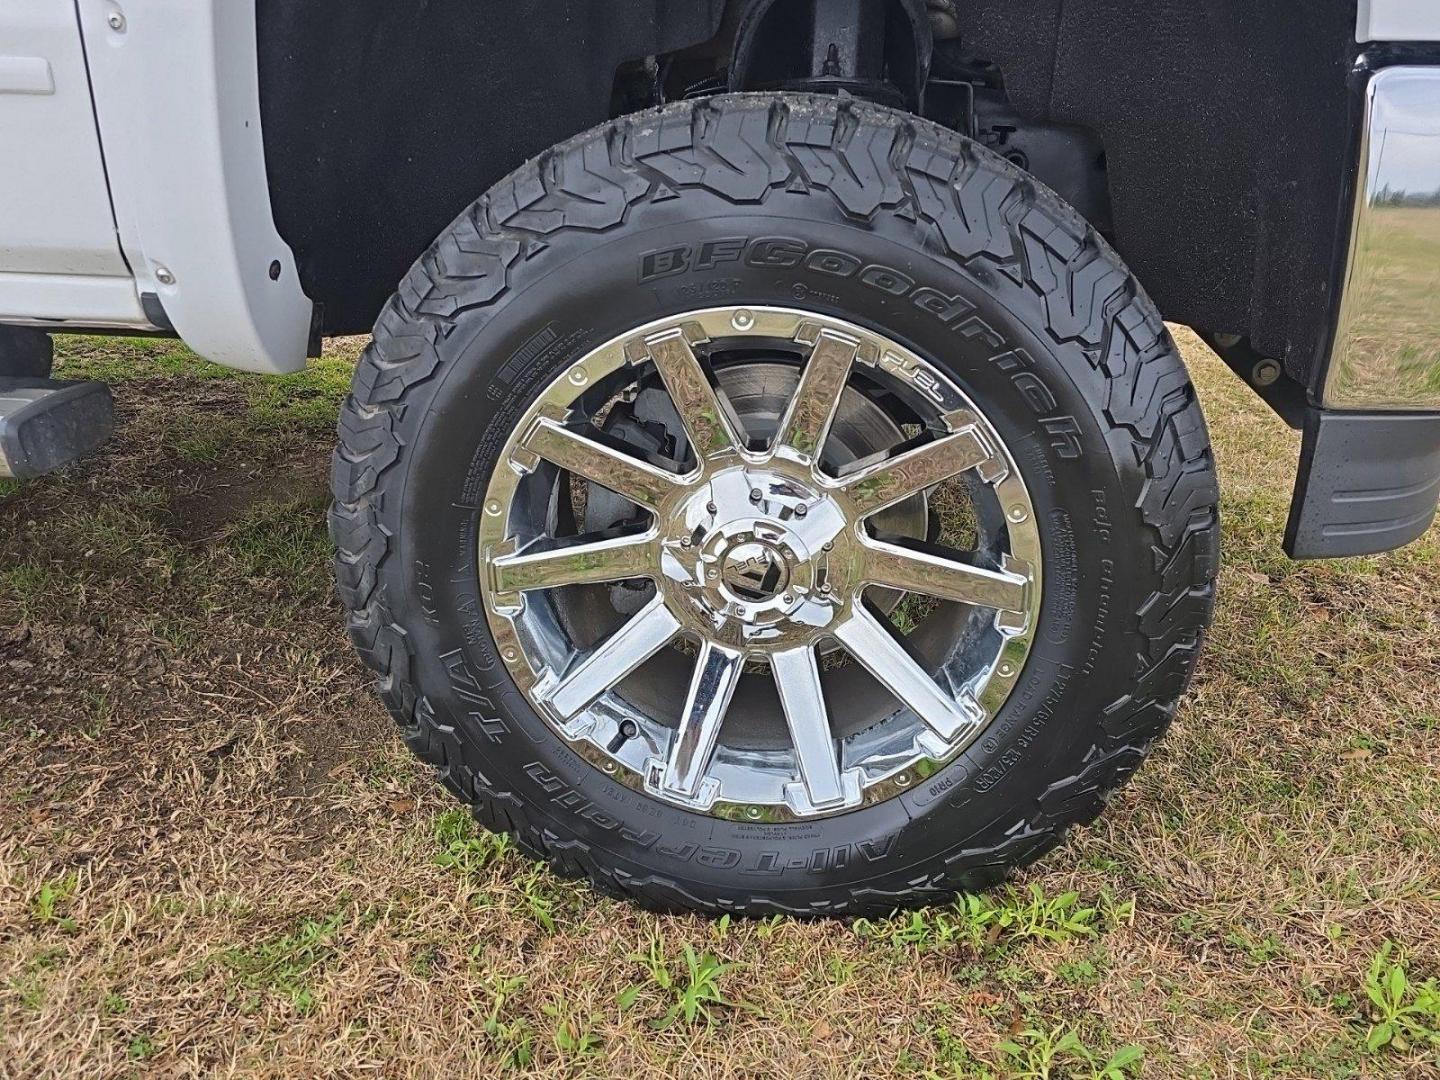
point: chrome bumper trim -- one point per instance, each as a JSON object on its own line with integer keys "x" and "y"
{"x": 1386, "y": 353}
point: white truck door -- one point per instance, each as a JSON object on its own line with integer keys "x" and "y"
{"x": 55, "y": 213}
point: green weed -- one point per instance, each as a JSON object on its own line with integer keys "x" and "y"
{"x": 977, "y": 921}
{"x": 1404, "y": 1014}
{"x": 286, "y": 964}
{"x": 52, "y": 897}
{"x": 464, "y": 847}
{"x": 538, "y": 901}
{"x": 515, "y": 1039}
{"x": 142, "y": 1047}
{"x": 572, "y": 1039}
{"x": 1039, "y": 1054}
{"x": 691, "y": 996}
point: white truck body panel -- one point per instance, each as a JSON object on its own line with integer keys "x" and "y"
{"x": 171, "y": 199}
{"x": 177, "y": 93}
{"x": 55, "y": 215}
{"x": 1398, "y": 20}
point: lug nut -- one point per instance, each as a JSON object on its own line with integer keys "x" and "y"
{"x": 756, "y": 495}
{"x": 801, "y": 510}
{"x": 711, "y": 509}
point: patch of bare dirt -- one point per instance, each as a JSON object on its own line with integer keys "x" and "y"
{"x": 208, "y": 498}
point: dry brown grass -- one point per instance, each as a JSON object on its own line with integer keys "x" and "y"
{"x": 215, "y": 858}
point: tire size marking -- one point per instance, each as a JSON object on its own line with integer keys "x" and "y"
{"x": 1037, "y": 724}
{"x": 480, "y": 707}
{"x": 425, "y": 591}
{"x": 1103, "y": 526}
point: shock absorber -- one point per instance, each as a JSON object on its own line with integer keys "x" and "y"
{"x": 873, "y": 49}
{"x": 847, "y": 49}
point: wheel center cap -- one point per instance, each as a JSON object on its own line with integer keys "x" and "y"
{"x": 754, "y": 571}
{"x": 756, "y": 557}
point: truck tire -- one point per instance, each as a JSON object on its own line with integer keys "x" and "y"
{"x": 776, "y": 503}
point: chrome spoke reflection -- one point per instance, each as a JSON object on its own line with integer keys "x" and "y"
{"x": 647, "y": 632}
{"x": 875, "y": 487}
{"x": 585, "y": 563}
{"x": 706, "y": 418}
{"x": 931, "y": 574}
{"x": 717, "y": 670}
{"x": 894, "y": 668}
{"x": 812, "y": 408}
{"x": 624, "y": 474}
{"x": 797, "y": 677}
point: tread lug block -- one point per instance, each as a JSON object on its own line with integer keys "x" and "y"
{"x": 45, "y": 424}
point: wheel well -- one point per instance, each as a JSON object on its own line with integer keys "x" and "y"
{"x": 1208, "y": 140}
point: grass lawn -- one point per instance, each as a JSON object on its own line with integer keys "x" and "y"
{"x": 216, "y": 858}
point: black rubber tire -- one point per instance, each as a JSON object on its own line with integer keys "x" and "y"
{"x": 26, "y": 352}
{"x": 928, "y": 238}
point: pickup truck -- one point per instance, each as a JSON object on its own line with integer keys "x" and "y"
{"x": 772, "y": 485}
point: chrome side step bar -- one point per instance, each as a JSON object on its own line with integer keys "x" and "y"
{"x": 45, "y": 424}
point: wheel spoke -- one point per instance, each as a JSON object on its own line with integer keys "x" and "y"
{"x": 583, "y": 562}
{"x": 886, "y": 483}
{"x": 706, "y": 418}
{"x": 647, "y": 632}
{"x": 885, "y": 658}
{"x": 622, "y": 473}
{"x": 716, "y": 672}
{"x": 797, "y": 677}
{"x": 916, "y": 570}
{"x": 812, "y": 409}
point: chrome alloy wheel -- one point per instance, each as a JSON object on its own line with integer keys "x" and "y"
{"x": 749, "y": 553}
